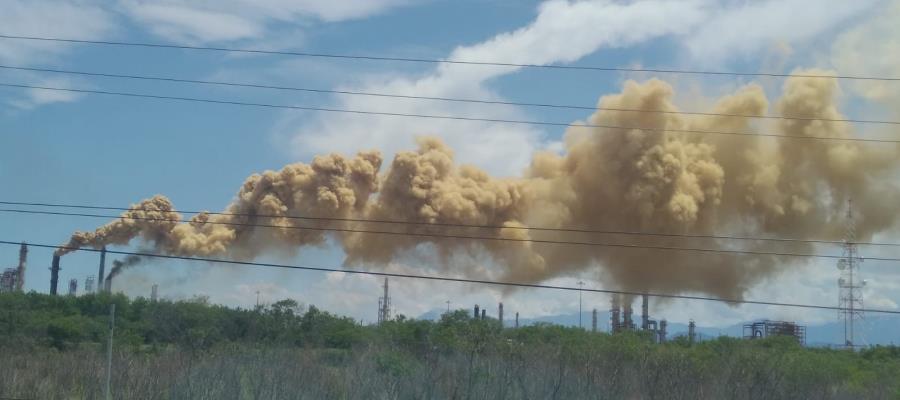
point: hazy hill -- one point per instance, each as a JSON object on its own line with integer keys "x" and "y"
{"x": 873, "y": 330}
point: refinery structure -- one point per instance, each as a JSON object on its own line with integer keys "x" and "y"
{"x": 13, "y": 278}
{"x": 621, "y": 311}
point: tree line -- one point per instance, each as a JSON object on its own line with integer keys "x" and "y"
{"x": 52, "y": 347}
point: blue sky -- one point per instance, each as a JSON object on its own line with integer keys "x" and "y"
{"x": 92, "y": 149}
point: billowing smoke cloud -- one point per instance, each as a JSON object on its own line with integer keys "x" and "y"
{"x": 606, "y": 179}
{"x": 331, "y": 187}
{"x": 121, "y": 265}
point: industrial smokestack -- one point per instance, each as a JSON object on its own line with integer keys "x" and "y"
{"x": 73, "y": 287}
{"x": 517, "y": 319}
{"x": 627, "y": 321}
{"x": 662, "y": 331}
{"x": 500, "y": 314}
{"x": 645, "y": 311}
{"x": 89, "y": 284}
{"x": 100, "y": 273}
{"x": 20, "y": 271}
{"x": 107, "y": 284}
{"x": 615, "y": 323}
{"x": 483, "y": 313}
{"x": 477, "y": 312}
{"x": 154, "y": 292}
{"x": 54, "y": 274}
{"x": 594, "y": 321}
{"x": 692, "y": 327}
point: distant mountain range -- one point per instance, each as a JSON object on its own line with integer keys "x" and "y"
{"x": 871, "y": 331}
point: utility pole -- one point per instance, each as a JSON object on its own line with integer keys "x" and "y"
{"x": 580, "y": 285}
{"x": 257, "y": 299}
{"x": 112, "y": 326}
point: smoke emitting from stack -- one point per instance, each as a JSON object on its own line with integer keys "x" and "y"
{"x": 102, "y": 269}
{"x": 607, "y": 178}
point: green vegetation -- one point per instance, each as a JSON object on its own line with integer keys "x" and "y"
{"x": 53, "y": 348}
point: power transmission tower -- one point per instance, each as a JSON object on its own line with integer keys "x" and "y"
{"x": 850, "y": 284}
{"x": 384, "y": 305}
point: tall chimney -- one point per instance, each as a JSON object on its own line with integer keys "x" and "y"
{"x": 89, "y": 284}
{"x": 645, "y": 311}
{"x": 477, "y": 312}
{"x": 73, "y": 287}
{"x": 20, "y": 271}
{"x": 692, "y": 327}
{"x": 500, "y": 314}
{"x": 594, "y": 321}
{"x": 615, "y": 324}
{"x": 54, "y": 274}
{"x": 483, "y": 313}
{"x": 154, "y": 292}
{"x": 100, "y": 277}
{"x": 517, "y": 319}
{"x": 662, "y": 331}
{"x": 627, "y": 322}
{"x": 107, "y": 284}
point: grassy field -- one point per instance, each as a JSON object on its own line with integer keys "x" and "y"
{"x": 52, "y": 348}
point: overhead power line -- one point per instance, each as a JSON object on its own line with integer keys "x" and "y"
{"x": 444, "y": 117}
{"x": 445, "y": 99}
{"x": 451, "y": 279}
{"x": 458, "y": 225}
{"x": 441, "y": 61}
{"x": 466, "y": 237}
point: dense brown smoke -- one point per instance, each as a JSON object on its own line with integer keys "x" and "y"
{"x": 606, "y": 179}
{"x": 330, "y": 187}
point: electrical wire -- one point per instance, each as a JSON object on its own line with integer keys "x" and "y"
{"x": 466, "y": 237}
{"x": 446, "y": 99}
{"x": 440, "y": 61}
{"x": 451, "y": 279}
{"x": 444, "y": 117}
{"x": 457, "y": 225}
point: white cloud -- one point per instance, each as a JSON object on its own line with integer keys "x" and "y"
{"x": 203, "y": 21}
{"x": 328, "y": 11}
{"x": 38, "y": 97}
{"x": 184, "y": 24}
{"x": 59, "y": 18}
{"x": 562, "y": 32}
{"x": 63, "y": 19}
{"x": 741, "y": 30}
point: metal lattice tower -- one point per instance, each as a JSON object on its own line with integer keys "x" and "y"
{"x": 850, "y": 299}
{"x": 384, "y": 305}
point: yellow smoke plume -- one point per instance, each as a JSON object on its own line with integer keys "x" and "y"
{"x": 617, "y": 179}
